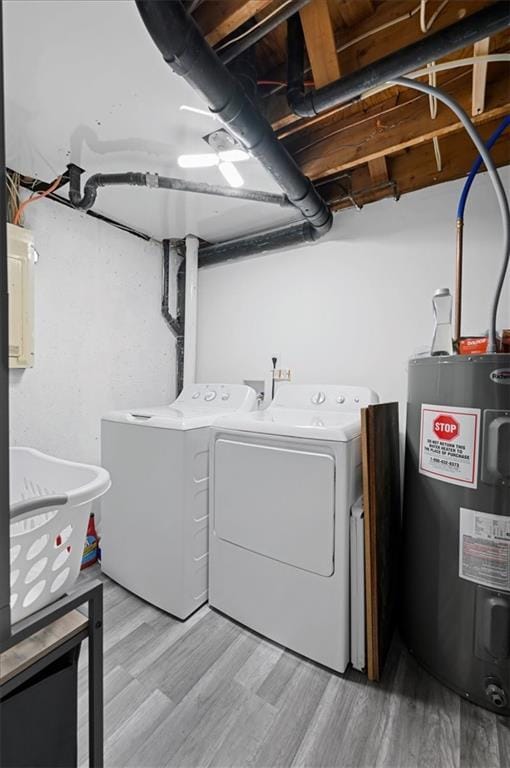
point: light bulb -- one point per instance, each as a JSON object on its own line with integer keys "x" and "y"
{"x": 208, "y": 160}
{"x": 231, "y": 174}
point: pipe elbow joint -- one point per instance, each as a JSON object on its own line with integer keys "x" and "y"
{"x": 320, "y": 230}
{"x": 89, "y": 196}
{"x": 300, "y": 105}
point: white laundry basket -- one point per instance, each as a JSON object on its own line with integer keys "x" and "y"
{"x": 50, "y": 507}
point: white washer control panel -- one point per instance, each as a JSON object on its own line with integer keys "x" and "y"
{"x": 218, "y": 396}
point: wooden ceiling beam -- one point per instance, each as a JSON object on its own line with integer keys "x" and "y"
{"x": 479, "y": 77}
{"x": 390, "y": 37}
{"x": 378, "y": 170}
{"x": 320, "y": 42}
{"x": 415, "y": 168}
{"x": 399, "y": 128}
{"x": 219, "y": 18}
{"x": 352, "y": 12}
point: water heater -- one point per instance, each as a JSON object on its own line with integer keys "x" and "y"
{"x": 456, "y": 547}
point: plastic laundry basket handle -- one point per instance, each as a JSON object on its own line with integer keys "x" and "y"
{"x": 38, "y": 502}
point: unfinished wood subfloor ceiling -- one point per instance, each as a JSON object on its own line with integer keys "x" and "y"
{"x": 393, "y": 141}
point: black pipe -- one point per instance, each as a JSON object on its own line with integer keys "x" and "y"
{"x": 153, "y": 180}
{"x": 35, "y": 185}
{"x": 259, "y": 243}
{"x": 229, "y": 51}
{"x": 463, "y": 33}
{"x": 185, "y": 50}
{"x": 244, "y": 69}
{"x": 176, "y": 324}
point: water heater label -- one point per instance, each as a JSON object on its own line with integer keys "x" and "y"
{"x": 484, "y": 549}
{"x": 449, "y": 444}
{"x": 500, "y": 376}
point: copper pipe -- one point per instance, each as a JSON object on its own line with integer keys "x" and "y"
{"x": 457, "y": 327}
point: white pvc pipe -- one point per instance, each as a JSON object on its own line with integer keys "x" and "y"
{"x": 190, "y": 313}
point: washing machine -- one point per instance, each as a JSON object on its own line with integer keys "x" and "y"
{"x": 154, "y": 537}
{"x": 283, "y": 482}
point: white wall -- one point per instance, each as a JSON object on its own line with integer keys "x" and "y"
{"x": 100, "y": 340}
{"x": 352, "y": 308}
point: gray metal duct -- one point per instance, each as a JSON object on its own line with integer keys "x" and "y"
{"x": 188, "y": 54}
{"x": 463, "y": 33}
{"x": 260, "y": 242}
{"x": 154, "y": 181}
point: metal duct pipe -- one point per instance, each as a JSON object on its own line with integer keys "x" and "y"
{"x": 231, "y": 49}
{"x": 463, "y": 33}
{"x": 188, "y": 54}
{"x": 259, "y": 243}
{"x": 154, "y": 181}
{"x": 175, "y": 323}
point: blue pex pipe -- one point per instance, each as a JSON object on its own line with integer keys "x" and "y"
{"x": 477, "y": 165}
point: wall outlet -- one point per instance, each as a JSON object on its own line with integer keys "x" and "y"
{"x": 282, "y": 374}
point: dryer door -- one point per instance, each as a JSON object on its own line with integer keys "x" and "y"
{"x": 276, "y": 498}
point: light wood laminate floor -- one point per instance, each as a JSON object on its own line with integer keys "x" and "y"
{"x": 207, "y": 692}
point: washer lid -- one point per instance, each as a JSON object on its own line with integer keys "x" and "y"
{"x": 198, "y": 405}
{"x": 317, "y": 412}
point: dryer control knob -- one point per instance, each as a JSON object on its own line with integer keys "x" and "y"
{"x": 210, "y": 395}
{"x": 318, "y": 398}
{"x": 195, "y": 395}
{"x": 225, "y": 396}
{"x": 340, "y": 399}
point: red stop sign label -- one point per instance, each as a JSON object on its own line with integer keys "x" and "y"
{"x": 446, "y": 427}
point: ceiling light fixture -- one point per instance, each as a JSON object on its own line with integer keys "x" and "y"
{"x": 186, "y": 108}
{"x": 226, "y": 151}
{"x": 231, "y": 174}
{"x": 205, "y": 160}
{"x": 233, "y": 156}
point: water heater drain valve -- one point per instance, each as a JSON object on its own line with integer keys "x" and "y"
{"x": 495, "y": 693}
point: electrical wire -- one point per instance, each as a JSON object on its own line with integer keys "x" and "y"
{"x": 433, "y": 115}
{"x": 249, "y": 31}
{"x": 13, "y": 189}
{"x": 444, "y": 67}
{"x": 496, "y": 182}
{"x": 380, "y": 28}
{"x": 309, "y": 83}
{"x": 34, "y": 197}
{"x": 425, "y": 25}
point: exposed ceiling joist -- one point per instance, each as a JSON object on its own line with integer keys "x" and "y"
{"x": 351, "y": 12}
{"x": 378, "y": 170}
{"x": 373, "y": 38}
{"x": 398, "y": 128}
{"x": 320, "y": 42}
{"x": 479, "y": 77}
{"x": 219, "y": 18}
{"x": 415, "y": 168}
